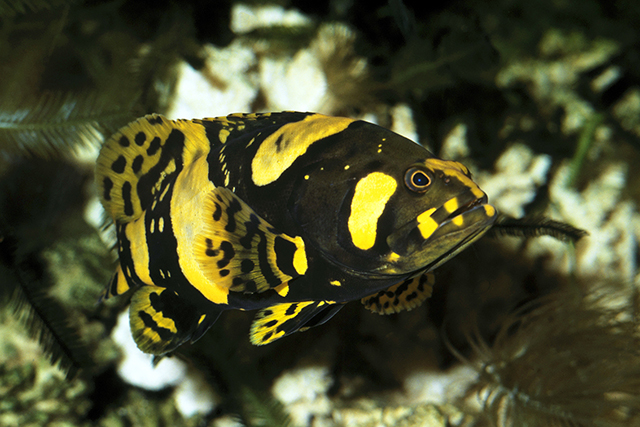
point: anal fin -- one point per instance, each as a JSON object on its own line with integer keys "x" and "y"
{"x": 405, "y": 295}
{"x": 161, "y": 321}
{"x": 275, "y": 322}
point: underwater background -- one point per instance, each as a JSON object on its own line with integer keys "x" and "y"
{"x": 540, "y": 99}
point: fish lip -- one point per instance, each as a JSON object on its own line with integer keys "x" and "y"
{"x": 472, "y": 205}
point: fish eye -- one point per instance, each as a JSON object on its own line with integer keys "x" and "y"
{"x": 417, "y": 180}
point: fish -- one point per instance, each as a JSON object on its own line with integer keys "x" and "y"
{"x": 293, "y": 214}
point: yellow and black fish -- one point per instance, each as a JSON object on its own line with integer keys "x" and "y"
{"x": 291, "y": 213}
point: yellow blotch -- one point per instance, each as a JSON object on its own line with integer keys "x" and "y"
{"x": 369, "y": 200}
{"x": 427, "y": 228}
{"x": 455, "y": 170}
{"x": 451, "y": 205}
{"x": 280, "y": 149}
{"x": 152, "y": 226}
{"x": 458, "y": 221}
{"x": 161, "y": 224}
{"x": 164, "y": 193}
{"x": 165, "y": 322}
{"x": 171, "y": 167}
{"x": 300, "y": 257}
{"x": 187, "y": 206}
{"x": 477, "y": 192}
{"x": 489, "y": 210}
{"x": 282, "y": 289}
{"x": 335, "y": 283}
{"x": 122, "y": 285}
{"x": 223, "y": 135}
{"x": 424, "y": 216}
{"x": 426, "y": 224}
{"x": 346, "y": 167}
{"x": 393, "y": 257}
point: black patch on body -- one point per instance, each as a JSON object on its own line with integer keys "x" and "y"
{"x": 284, "y": 256}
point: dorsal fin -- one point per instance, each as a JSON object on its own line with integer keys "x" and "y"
{"x": 134, "y": 162}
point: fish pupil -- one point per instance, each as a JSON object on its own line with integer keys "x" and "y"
{"x": 417, "y": 180}
{"x": 420, "y": 179}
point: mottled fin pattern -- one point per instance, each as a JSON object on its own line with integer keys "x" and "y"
{"x": 405, "y": 295}
{"x": 242, "y": 252}
{"x": 161, "y": 321}
{"x": 280, "y": 320}
{"x": 134, "y": 162}
{"x": 118, "y": 285}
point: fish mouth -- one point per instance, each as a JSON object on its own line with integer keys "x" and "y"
{"x": 439, "y": 233}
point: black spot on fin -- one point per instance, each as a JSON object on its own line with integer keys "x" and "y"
{"x": 241, "y": 251}
{"x": 161, "y": 321}
{"x": 280, "y": 320}
{"x": 134, "y": 162}
{"x": 405, "y": 295}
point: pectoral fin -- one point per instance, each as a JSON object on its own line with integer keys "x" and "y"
{"x": 241, "y": 251}
{"x": 405, "y": 295}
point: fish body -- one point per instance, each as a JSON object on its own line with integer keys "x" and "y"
{"x": 291, "y": 213}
